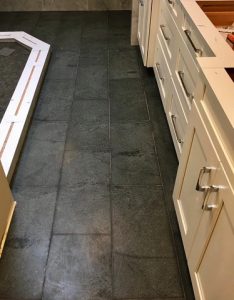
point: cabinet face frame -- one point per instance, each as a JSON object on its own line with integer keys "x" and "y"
{"x": 143, "y": 33}
{"x": 16, "y": 119}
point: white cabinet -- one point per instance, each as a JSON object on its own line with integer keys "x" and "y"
{"x": 194, "y": 69}
{"x": 147, "y": 27}
{"x": 7, "y": 205}
{"x": 204, "y": 203}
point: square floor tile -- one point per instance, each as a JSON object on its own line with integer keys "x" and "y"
{"x": 132, "y": 137}
{"x": 92, "y": 78}
{"x": 26, "y": 21}
{"x": 68, "y": 38}
{"x": 33, "y": 217}
{"x": 88, "y": 136}
{"x": 40, "y": 163}
{"x": 55, "y": 100}
{"x": 126, "y": 88}
{"x": 123, "y": 64}
{"x": 119, "y": 39}
{"x": 94, "y": 47}
{"x": 127, "y": 101}
{"x": 135, "y": 168}
{"x": 95, "y": 34}
{"x": 140, "y": 224}
{"x": 53, "y": 131}
{"x": 90, "y": 111}
{"x": 63, "y": 65}
{"x": 128, "y": 110}
{"x": 87, "y": 207}
{"x": 47, "y": 26}
{"x": 85, "y": 167}
{"x": 119, "y": 19}
{"x": 95, "y": 20}
{"x": 22, "y": 268}
{"x": 79, "y": 268}
{"x": 140, "y": 277}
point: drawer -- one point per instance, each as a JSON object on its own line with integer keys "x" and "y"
{"x": 169, "y": 36}
{"x": 197, "y": 45}
{"x": 176, "y": 10}
{"x": 176, "y": 119}
{"x": 162, "y": 73}
{"x": 186, "y": 77}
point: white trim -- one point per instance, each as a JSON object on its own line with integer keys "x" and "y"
{"x": 16, "y": 118}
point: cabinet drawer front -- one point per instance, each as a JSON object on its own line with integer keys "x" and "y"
{"x": 194, "y": 40}
{"x": 169, "y": 36}
{"x": 186, "y": 77}
{"x": 177, "y": 120}
{"x": 162, "y": 73}
{"x": 176, "y": 10}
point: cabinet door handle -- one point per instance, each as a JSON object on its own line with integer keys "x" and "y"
{"x": 199, "y": 187}
{"x": 141, "y": 2}
{"x": 179, "y": 140}
{"x": 188, "y": 35}
{"x": 166, "y": 37}
{"x": 206, "y": 206}
{"x": 188, "y": 94}
{"x": 159, "y": 71}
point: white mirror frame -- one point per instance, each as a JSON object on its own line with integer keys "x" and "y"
{"x": 15, "y": 121}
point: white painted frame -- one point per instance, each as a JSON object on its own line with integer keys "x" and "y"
{"x": 15, "y": 121}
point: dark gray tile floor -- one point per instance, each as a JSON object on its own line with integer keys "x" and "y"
{"x": 16, "y": 61}
{"x": 95, "y": 218}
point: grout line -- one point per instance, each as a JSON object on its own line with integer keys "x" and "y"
{"x": 110, "y": 178}
{"x": 59, "y": 183}
{"x": 80, "y": 234}
{"x": 168, "y": 215}
{"x": 151, "y": 298}
{"x": 164, "y": 197}
{"x": 144, "y": 257}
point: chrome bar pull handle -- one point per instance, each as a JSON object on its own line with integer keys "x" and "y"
{"x": 199, "y": 187}
{"x": 188, "y": 35}
{"x": 166, "y": 37}
{"x": 179, "y": 140}
{"x": 188, "y": 94}
{"x": 206, "y": 206}
{"x": 159, "y": 71}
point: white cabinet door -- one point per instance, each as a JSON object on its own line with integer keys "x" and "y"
{"x": 211, "y": 261}
{"x": 7, "y": 205}
{"x": 145, "y": 8}
{"x": 196, "y": 171}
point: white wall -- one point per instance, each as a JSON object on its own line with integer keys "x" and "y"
{"x": 60, "y": 5}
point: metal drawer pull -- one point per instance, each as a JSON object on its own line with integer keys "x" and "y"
{"x": 197, "y": 50}
{"x": 199, "y": 187}
{"x": 141, "y": 2}
{"x": 159, "y": 71}
{"x": 166, "y": 37}
{"x": 173, "y": 118}
{"x": 211, "y": 206}
{"x": 188, "y": 94}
